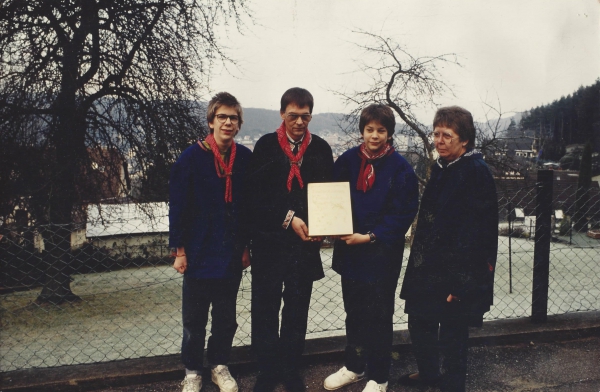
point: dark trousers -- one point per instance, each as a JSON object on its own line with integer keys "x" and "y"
{"x": 279, "y": 349}
{"x": 369, "y": 310}
{"x": 430, "y": 337}
{"x": 197, "y": 296}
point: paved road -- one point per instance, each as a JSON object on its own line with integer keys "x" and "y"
{"x": 572, "y": 365}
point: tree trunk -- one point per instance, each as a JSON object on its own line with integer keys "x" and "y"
{"x": 57, "y": 259}
{"x": 68, "y": 141}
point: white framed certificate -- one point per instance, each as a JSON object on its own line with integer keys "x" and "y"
{"x": 329, "y": 209}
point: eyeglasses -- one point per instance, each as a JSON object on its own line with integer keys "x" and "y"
{"x": 446, "y": 137}
{"x": 223, "y": 118}
{"x": 294, "y": 117}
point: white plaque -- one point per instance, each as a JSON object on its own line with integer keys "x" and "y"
{"x": 329, "y": 209}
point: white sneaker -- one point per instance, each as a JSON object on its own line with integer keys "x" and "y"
{"x": 223, "y": 379}
{"x": 341, "y": 378}
{"x": 192, "y": 383}
{"x": 372, "y": 386}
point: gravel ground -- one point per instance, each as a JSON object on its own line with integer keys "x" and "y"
{"x": 554, "y": 367}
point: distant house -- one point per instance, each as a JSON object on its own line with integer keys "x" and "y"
{"x": 526, "y": 153}
{"x": 521, "y": 192}
{"x": 574, "y": 149}
{"x": 247, "y": 141}
{"x": 107, "y": 176}
{"x": 102, "y": 177}
{"x": 129, "y": 230}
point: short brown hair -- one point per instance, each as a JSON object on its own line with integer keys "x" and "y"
{"x": 299, "y": 96}
{"x": 459, "y": 120}
{"x": 223, "y": 99}
{"x": 381, "y": 113}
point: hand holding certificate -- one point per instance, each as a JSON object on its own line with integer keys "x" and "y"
{"x": 329, "y": 209}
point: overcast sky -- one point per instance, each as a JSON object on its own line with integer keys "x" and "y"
{"x": 523, "y": 53}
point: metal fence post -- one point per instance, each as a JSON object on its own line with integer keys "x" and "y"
{"x": 541, "y": 256}
{"x": 511, "y": 213}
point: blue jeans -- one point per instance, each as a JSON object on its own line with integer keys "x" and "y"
{"x": 197, "y": 296}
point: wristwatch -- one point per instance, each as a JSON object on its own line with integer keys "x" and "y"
{"x": 371, "y": 237}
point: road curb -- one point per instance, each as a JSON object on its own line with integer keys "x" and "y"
{"x": 146, "y": 370}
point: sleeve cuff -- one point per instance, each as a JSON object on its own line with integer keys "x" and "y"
{"x": 288, "y": 219}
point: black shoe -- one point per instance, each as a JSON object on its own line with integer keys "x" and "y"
{"x": 406, "y": 380}
{"x": 451, "y": 383}
{"x": 265, "y": 383}
{"x": 293, "y": 382}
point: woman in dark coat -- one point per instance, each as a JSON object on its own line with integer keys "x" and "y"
{"x": 449, "y": 278}
{"x": 384, "y": 193}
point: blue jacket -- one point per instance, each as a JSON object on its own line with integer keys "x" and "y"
{"x": 387, "y": 210}
{"x": 199, "y": 218}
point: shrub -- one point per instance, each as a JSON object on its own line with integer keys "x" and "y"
{"x": 565, "y": 226}
{"x": 517, "y": 232}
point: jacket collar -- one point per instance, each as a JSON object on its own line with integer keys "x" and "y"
{"x": 471, "y": 152}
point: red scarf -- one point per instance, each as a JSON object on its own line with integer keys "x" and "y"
{"x": 223, "y": 170}
{"x": 295, "y": 160}
{"x": 366, "y": 175}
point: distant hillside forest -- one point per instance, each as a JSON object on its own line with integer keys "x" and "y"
{"x": 574, "y": 119}
{"x": 262, "y": 121}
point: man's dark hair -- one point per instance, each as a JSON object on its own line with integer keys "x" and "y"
{"x": 459, "y": 120}
{"x": 223, "y": 99}
{"x": 299, "y": 96}
{"x": 381, "y": 113}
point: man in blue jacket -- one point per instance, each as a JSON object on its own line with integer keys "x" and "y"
{"x": 205, "y": 194}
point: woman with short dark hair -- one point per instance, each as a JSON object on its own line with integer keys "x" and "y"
{"x": 449, "y": 279}
{"x": 384, "y": 193}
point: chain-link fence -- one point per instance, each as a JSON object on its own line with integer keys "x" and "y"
{"x": 574, "y": 276}
{"x": 125, "y": 298}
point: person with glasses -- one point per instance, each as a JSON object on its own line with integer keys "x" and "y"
{"x": 385, "y": 197}
{"x": 285, "y": 260}
{"x": 449, "y": 279}
{"x": 205, "y": 203}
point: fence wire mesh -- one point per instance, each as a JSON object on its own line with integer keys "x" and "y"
{"x": 126, "y": 297}
{"x": 575, "y": 256}
{"x": 514, "y": 265}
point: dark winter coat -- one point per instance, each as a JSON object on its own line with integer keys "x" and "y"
{"x": 387, "y": 210}
{"x": 276, "y": 250}
{"x": 456, "y": 243}
{"x": 199, "y": 218}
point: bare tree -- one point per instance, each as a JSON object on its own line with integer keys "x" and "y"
{"x": 404, "y": 83}
{"x": 407, "y": 83}
{"x": 92, "y": 79}
{"x": 493, "y": 138}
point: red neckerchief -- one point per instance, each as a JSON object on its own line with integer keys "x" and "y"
{"x": 366, "y": 175}
{"x": 294, "y": 160}
{"x": 223, "y": 170}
